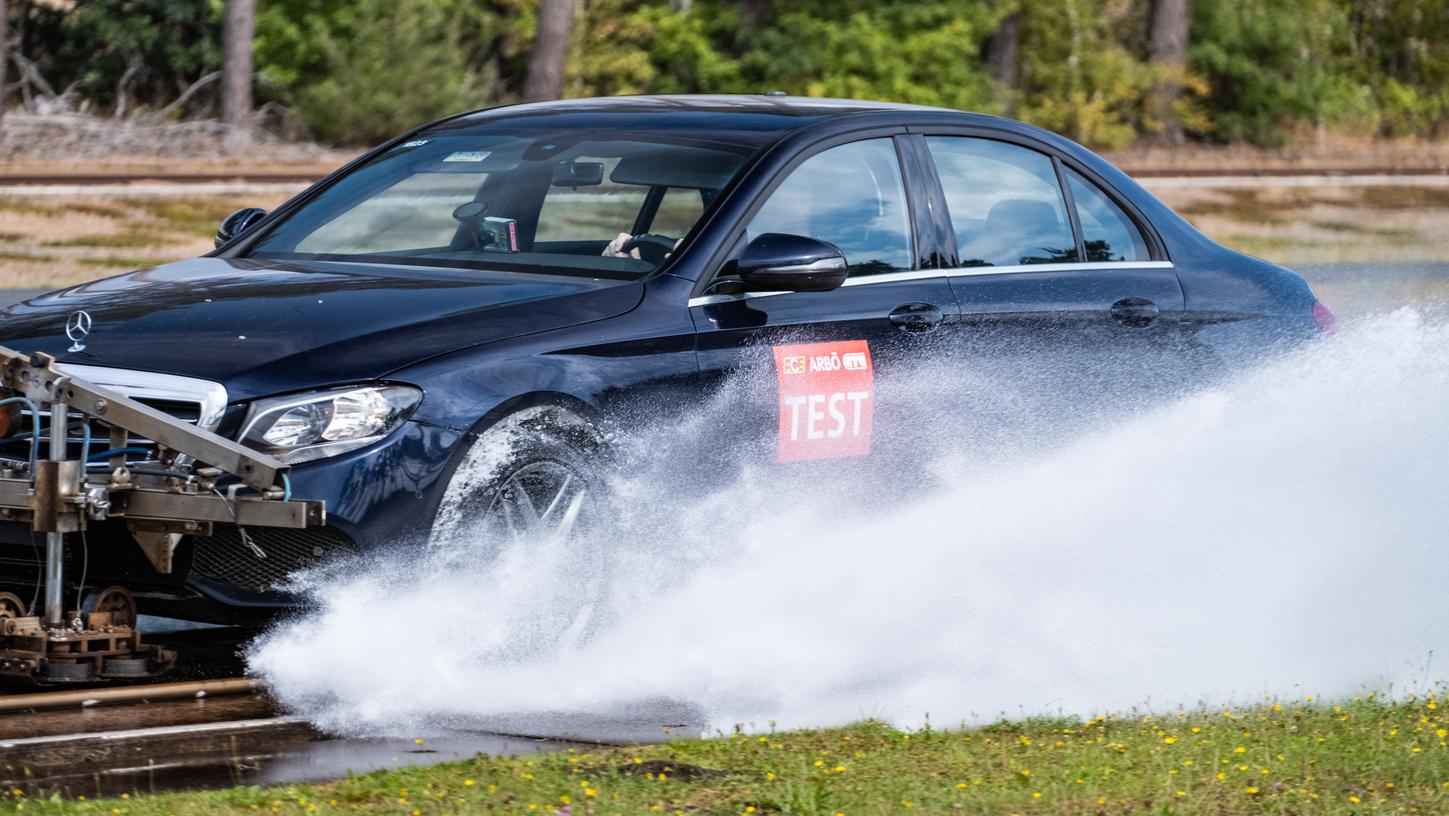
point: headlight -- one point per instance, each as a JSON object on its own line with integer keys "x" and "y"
{"x": 303, "y": 427}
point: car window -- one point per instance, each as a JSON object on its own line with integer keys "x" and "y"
{"x": 416, "y": 211}
{"x": 587, "y": 213}
{"x": 513, "y": 199}
{"x": 678, "y": 210}
{"x": 1107, "y": 233}
{"x": 851, "y": 196}
{"x": 1005, "y": 203}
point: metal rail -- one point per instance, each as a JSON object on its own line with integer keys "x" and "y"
{"x": 128, "y": 694}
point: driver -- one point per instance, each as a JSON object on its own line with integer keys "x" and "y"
{"x": 615, "y": 249}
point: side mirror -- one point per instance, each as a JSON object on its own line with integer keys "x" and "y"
{"x": 237, "y": 223}
{"x": 775, "y": 262}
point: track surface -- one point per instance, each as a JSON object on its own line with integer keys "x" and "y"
{"x": 103, "y": 749}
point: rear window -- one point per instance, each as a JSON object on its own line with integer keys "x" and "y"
{"x": 1107, "y": 233}
{"x": 560, "y": 202}
{"x": 1005, "y": 203}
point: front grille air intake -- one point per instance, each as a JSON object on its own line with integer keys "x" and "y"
{"x": 225, "y": 557}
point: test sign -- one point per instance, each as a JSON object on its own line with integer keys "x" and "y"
{"x": 826, "y": 400}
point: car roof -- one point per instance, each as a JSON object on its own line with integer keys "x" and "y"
{"x": 754, "y": 119}
{"x": 722, "y": 103}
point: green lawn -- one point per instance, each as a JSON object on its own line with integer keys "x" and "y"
{"x": 1362, "y": 755}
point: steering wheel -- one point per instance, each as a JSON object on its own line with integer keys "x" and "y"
{"x": 652, "y": 248}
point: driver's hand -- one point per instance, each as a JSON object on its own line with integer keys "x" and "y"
{"x": 615, "y": 249}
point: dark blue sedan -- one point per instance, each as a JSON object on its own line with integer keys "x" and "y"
{"x": 458, "y": 318}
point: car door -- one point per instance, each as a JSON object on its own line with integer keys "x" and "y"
{"x": 809, "y": 365}
{"x": 1063, "y": 299}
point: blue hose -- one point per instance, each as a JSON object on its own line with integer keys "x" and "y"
{"x": 106, "y": 454}
{"x": 286, "y": 488}
{"x": 34, "y": 429}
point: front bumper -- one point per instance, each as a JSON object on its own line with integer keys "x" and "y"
{"x": 383, "y": 495}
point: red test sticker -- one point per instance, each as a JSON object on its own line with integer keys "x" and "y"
{"x": 826, "y": 400}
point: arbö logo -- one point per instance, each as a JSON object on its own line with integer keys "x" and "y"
{"x": 77, "y": 328}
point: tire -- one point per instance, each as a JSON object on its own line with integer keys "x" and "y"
{"x": 534, "y": 481}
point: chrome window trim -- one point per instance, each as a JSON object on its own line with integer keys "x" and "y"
{"x": 957, "y": 272}
{"x": 893, "y": 277}
{"x": 972, "y": 271}
{"x": 210, "y": 397}
{"x": 710, "y": 300}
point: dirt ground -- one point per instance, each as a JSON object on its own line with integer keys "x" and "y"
{"x": 1317, "y": 154}
{"x": 53, "y": 241}
{"x": 1315, "y": 225}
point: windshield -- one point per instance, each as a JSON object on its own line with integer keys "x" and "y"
{"x": 603, "y": 204}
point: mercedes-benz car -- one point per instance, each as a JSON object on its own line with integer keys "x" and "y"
{"x": 544, "y": 270}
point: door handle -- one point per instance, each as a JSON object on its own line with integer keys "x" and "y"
{"x": 916, "y": 317}
{"x": 1134, "y": 311}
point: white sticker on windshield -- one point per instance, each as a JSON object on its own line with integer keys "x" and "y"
{"x": 414, "y": 143}
{"x": 468, "y": 156}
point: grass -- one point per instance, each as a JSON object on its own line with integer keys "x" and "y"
{"x": 123, "y": 240}
{"x": 1366, "y": 755}
{"x": 1308, "y": 225}
{"x": 51, "y": 242}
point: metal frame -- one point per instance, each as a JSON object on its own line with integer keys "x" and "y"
{"x": 178, "y": 493}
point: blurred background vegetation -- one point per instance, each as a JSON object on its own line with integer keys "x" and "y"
{"x": 1109, "y": 73}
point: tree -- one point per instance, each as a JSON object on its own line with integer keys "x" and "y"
{"x": 1271, "y": 68}
{"x": 4, "y": 61}
{"x": 1002, "y": 54}
{"x": 1167, "y": 47}
{"x": 236, "y": 71}
{"x": 373, "y": 69}
{"x": 550, "y": 50}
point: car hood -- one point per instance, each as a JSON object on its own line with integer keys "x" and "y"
{"x": 264, "y": 327}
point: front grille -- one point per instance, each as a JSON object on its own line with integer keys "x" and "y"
{"x": 225, "y": 557}
{"x": 17, "y": 446}
{"x": 199, "y": 402}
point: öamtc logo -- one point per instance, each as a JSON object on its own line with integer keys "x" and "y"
{"x": 827, "y": 399}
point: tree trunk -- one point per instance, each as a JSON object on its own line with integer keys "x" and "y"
{"x": 752, "y": 11}
{"x": 236, "y": 72}
{"x": 1002, "y": 54}
{"x": 1167, "y": 48}
{"x": 550, "y": 51}
{"x": 4, "y": 63}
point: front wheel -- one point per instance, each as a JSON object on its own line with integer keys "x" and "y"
{"x": 523, "y": 501}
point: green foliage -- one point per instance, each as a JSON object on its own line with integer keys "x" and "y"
{"x": 1268, "y": 65}
{"x": 1078, "y": 79}
{"x": 1261, "y": 71}
{"x": 924, "y": 53}
{"x": 1358, "y": 756}
{"x": 361, "y": 72}
{"x": 1400, "y": 50}
{"x": 632, "y": 47}
{"x": 142, "y": 50}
